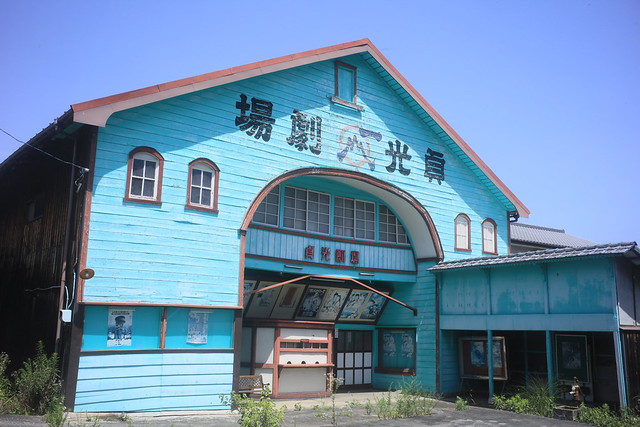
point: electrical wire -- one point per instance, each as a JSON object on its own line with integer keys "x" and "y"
{"x": 82, "y": 168}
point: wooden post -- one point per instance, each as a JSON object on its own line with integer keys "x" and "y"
{"x": 163, "y": 328}
{"x": 490, "y": 363}
{"x": 549, "y": 344}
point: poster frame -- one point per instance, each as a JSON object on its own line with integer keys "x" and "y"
{"x": 478, "y": 369}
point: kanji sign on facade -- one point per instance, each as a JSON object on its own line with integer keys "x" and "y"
{"x": 354, "y": 144}
{"x": 303, "y": 130}
{"x": 258, "y": 123}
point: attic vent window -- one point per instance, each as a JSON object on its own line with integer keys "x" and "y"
{"x": 34, "y": 208}
{"x": 346, "y": 86}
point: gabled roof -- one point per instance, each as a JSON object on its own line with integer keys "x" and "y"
{"x": 98, "y": 111}
{"x": 629, "y": 250}
{"x": 545, "y": 236}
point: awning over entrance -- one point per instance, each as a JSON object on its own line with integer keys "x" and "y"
{"x": 316, "y": 298}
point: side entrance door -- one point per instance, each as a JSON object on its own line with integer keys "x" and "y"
{"x": 354, "y": 357}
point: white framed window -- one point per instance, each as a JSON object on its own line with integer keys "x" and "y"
{"x": 268, "y": 211}
{"x": 306, "y": 210}
{"x": 144, "y": 176}
{"x": 202, "y": 187}
{"x": 463, "y": 233}
{"x": 390, "y": 228}
{"x": 489, "y": 241}
{"x": 354, "y": 218}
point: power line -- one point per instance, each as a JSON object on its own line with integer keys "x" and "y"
{"x": 82, "y": 168}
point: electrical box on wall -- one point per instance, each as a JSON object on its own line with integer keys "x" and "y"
{"x": 65, "y": 315}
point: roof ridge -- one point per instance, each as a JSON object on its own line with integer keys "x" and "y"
{"x": 538, "y": 227}
{"x": 537, "y": 254}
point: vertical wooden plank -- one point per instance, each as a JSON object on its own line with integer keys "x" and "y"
{"x": 490, "y": 363}
{"x": 163, "y": 328}
{"x": 276, "y": 362}
{"x": 549, "y": 350}
{"x": 620, "y": 368}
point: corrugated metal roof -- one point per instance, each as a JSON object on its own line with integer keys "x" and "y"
{"x": 554, "y": 237}
{"x": 628, "y": 249}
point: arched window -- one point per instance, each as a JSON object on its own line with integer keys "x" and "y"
{"x": 463, "y": 233}
{"x": 144, "y": 176}
{"x": 389, "y": 227}
{"x": 489, "y": 241}
{"x": 202, "y": 188}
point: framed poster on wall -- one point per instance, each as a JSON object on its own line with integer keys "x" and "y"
{"x": 397, "y": 351}
{"x": 120, "y": 322}
{"x": 262, "y": 302}
{"x": 473, "y": 356}
{"x": 333, "y": 302}
{"x": 287, "y": 302}
{"x": 572, "y": 357}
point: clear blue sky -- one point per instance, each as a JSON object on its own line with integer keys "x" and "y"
{"x": 547, "y": 92}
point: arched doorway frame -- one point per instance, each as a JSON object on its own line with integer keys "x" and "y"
{"x": 425, "y": 239}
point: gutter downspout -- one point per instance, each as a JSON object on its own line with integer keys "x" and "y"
{"x": 77, "y": 319}
{"x": 66, "y": 251}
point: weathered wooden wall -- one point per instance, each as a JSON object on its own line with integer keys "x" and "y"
{"x": 31, "y": 252}
{"x": 166, "y": 254}
{"x": 160, "y": 248}
{"x": 153, "y": 382}
{"x": 567, "y": 295}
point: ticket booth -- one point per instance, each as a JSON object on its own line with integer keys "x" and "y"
{"x": 290, "y": 332}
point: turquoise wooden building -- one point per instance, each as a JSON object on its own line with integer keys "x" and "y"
{"x": 562, "y": 314}
{"x": 326, "y": 168}
{"x": 286, "y": 219}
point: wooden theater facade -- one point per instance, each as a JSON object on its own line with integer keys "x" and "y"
{"x": 291, "y": 219}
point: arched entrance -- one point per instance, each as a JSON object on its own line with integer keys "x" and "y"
{"x": 323, "y": 251}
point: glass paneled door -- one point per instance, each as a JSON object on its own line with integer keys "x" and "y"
{"x": 353, "y": 357}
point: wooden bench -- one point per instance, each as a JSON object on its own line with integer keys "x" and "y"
{"x": 250, "y": 384}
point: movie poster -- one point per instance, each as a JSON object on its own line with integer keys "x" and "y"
{"x": 372, "y": 307}
{"x": 119, "y": 326}
{"x": 332, "y": 303}
{"x": 248, "y": 287}
{"x": 311, "y": 303}
{"x": 198, "y": 327}
{"x": 352, "y": 309}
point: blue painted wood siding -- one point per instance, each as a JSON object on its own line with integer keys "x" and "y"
{"x": 571, "y": 295}
{"x": 573, "y": 287}
{"x": 422, "y": 296}
{"x": 271, "y": 243}
{"x": 146, "y": 329}
{"x": 169, "y": 254}
{"x": 153, "y": 382}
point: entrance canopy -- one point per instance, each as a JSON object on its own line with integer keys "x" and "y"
{"x": 316, "y": 298}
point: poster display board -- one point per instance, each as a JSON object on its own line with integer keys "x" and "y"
{"x": 198, "y": 327}
{"x": 262, "y": 302}
{"x": 333, "y": 301}
{"x": 572, "y": 358}
{"x": 302, "y": 301}
{"x": 287, "y": 302}
{"x": 249, "y": 286}
{"x": 473, "y": 356}
{"x": 120, "y": 327}
{"x": 397, "y": 351}
{"x": 363, "y": 305}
